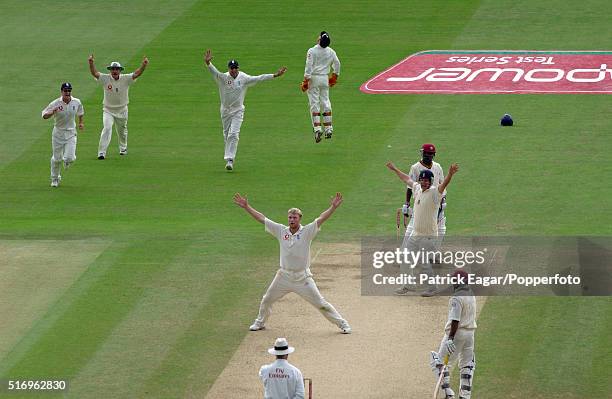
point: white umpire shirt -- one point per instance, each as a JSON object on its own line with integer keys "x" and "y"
{"x": 462, "y": 308}
{"x": 436, "y": 169}
{"x": 116, "y": 98}
{"x": 232, "y": 91}
{"x": 426, "y": 205}
{"x": 318, "y": 61}
{"x": 282, "y": 380}
{"x": 294, "y": 248}
{"x": 64, "y": 118}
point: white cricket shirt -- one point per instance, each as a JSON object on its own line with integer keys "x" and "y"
{"x": 116, "y": 97}
{"x": 436, "y": 169}
{"x": 294, "y": 248}
{"x": 319, "y": 60}
{"x": 425, "y": 215}
{"x": 463, "y": 309}
{"x": 282, "y": 380}
{"x": 64, "y": 118}
{"x": 232, "y": 91}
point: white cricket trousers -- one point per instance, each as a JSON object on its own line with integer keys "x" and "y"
{"x": 306, "y": 288}
{"x": 418, "y": 244}
{"x": 63, "y": 143}
{"x": 108, "y": 120}
{"x": 231, "y": 133}
{"x": 318, "y": 99}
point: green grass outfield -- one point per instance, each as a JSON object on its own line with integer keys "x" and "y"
{"x": 138, "y": 276}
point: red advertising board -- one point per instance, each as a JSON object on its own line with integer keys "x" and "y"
{"x": 496, "y": 72}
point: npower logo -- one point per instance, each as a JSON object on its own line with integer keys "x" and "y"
{"x": 490, "y": 72}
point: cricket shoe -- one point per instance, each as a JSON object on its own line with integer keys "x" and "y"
{"x": 431, "y": 291}
{"x": 123, "y": 152}
{"x": 55, "y": 182}
{"x": 345, "y": 328}
{"x": 257, "y": 326}
{"x": 67, "y": 165}
{"x": 328, "y": 134}
{"x": 405, "y": 290}
{"x": 230, "y": 164}
{"x": 100, "y": 156}
{"x": 318, "y": 136}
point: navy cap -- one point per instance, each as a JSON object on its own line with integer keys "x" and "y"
{"x": 232, "y": 64}
{"x": 426, "y": 174}
{"x": 66, "y": 86}
{"x": 325, "y": 39}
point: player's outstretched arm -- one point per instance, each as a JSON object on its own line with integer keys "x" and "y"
{"x": 402, "y": 176}
{"x": 335, "y": 203}
{"x": 243, "y": 202}
{"x": 140, "y": 70}
{"x": 211, "y": 67}
{"x": 451, "y": 171}
{"x": 92, "y": 67}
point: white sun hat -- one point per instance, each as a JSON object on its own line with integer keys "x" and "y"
{"x": 281, "y": 347}
{"x": 114, "y": 64}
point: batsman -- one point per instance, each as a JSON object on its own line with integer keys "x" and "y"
{"x": 457, "y": 346}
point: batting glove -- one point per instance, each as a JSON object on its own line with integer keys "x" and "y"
{"x": 450, "y": 346}
{"x": 333, "y": 80}
{"x": 407, "y": 210}
{"x": 304, "y": 85}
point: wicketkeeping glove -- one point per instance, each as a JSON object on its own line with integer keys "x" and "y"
{"x": 450, "y": 346}
{"x": 333, "y": 80}
{"x": 304, "y": 85}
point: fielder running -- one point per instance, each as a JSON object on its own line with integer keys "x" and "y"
{"x": 428, "y": 152}
{"x": 115, "y": 110}
{"x": 317, "y": 82}
{"x": 458, "y": 341}
{"x": 294, "y": 274}
{"x": 424, "y": 235}
{"x": 64, "y": 136}
{"x": 233, "y": 86}
{"x": 281, "y": 379}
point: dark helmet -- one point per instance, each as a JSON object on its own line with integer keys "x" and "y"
{"x": 426, "y": 174}
{"x": 506, "y": 120}
{"x": 325, "y": 39}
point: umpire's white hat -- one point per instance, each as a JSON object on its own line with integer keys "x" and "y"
{"x": 281, "y": 347}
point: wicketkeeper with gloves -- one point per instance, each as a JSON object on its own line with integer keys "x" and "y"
{"x": 317, "y": 81}
{"x": 458, "y": 341}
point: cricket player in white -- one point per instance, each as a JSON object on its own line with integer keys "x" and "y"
{"x": 294, "y": 274}
{"x": 317, "y": 81}
{"x": 458, "y": 341}
{"x": 115, "y": 110}
{"x": 281, "y": 379}
{"x": 428, "y": 152}
{"x": 424, "y": 235}
{"x": 233, "y": 86}
{"x": 64, "y": 136}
